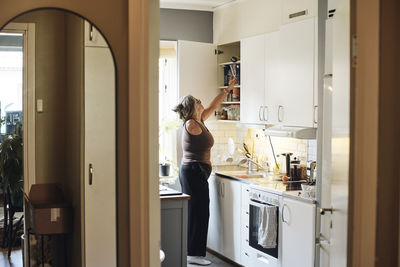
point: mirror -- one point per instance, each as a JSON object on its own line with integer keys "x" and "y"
{"x": 57, "y": 78}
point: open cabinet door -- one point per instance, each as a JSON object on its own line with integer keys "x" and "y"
{"x": 197, "y": 76}
{"x": 197, "y": 71}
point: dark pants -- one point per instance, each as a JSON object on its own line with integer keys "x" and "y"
{"x": 193, "y": 178}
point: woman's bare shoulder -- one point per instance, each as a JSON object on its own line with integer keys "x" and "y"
{"x": 193, "y": 127}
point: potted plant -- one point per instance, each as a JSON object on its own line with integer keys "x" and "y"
{"x": 166, "y": 127}
{"x": 11, "y": 172}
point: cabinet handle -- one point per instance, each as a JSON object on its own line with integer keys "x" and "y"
{"x": 90, "y": 174}
{"x": 246, "y": 254}
{"x": 247, "y": 226}
{"x": 298, "y": 14}
{"x": 315, "y": 114}
{"x": 266, "y": 108}
{"x": 279, "y": 113}
{"x": 259, "y": 113}
{"x": 283, "y": 214}
{"x": 91, "y": 32}
{"x": 223, "y": 190}
{"x": 247, "y": 212}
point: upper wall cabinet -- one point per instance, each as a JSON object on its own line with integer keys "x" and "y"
{"x": 296, "y": 10}
{"x": 252, "y": 79}
{"x": 297, "y": 70}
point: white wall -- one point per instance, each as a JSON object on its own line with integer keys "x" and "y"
{"x": 246, "y": 18}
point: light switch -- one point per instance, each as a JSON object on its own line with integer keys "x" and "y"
{"x": 39, "y": 105}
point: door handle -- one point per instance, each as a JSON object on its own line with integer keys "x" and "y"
{"x": 259, "y": 113}
{"x": 323, "y": 210}
{"x": 279, "y": 113}
{"x": 322, "y": 241}
{"x": 90, "y": 174}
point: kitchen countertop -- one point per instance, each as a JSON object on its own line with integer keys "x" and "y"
{"x": 263, "y": 181}
{"x": 171, "y": 194}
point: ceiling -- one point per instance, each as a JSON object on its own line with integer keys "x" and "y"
{"x": 205, "y": 5}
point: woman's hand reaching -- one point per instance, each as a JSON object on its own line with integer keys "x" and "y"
{"x": 232, "y": 83}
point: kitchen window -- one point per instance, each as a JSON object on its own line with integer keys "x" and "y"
{"x": 168, "y": 98}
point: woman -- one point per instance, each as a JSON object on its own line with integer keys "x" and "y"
{"x": 196, "y": 168}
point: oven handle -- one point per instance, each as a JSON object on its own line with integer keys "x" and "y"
{"x": 283, "y": 214}
{"x": 260, "y": 203}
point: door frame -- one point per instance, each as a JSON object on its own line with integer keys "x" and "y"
{"x": 28, "y": 91}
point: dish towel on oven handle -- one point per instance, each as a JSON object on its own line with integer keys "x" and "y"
{"x": 267, "y": 230}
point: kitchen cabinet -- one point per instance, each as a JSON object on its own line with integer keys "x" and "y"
{"x": 298, "y": 233}
{"x": 260, "y": 79}
{"x": 174, "y": 213}
{"x": 224, "y": 235}
{"x": 201, "y": 74}
{"x": 247, "y": 252}
{"x": 296, "y": 105}
{"x": 252, "y": 79}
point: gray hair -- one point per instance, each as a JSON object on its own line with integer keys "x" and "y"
{"x": 186, "y": 108}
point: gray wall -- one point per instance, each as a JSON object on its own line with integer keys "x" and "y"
{"x": 189, "y": 25}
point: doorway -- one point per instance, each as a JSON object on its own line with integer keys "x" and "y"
{"x": 17, "y": 46}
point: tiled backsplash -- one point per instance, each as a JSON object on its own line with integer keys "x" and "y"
{"x": 304, "y": 149}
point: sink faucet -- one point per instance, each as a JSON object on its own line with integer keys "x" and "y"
{"x": 250, "y": 165}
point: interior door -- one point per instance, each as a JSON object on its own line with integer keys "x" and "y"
{"x": 99, "y": 165}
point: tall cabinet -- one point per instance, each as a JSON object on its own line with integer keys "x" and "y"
{"x": 99, "y": 148}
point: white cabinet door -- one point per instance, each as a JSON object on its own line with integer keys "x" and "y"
{"x": 197, "y": 71}
{"x": 272, "y": 94}
{"x": 231, "y": 191}
{"x": 99, "y": 190}
{"x": 252, "y": 79}
{"x": 298, "y": 233}
{"x": 297, "y": 73}
{"x": 215, "y": 228}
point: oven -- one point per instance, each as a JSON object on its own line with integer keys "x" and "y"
{"x": 259, "y": 199}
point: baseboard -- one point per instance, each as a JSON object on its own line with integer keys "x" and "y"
{"x": 222, "y": 257}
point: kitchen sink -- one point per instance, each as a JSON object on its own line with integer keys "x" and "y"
{"x": 243, "y": 174}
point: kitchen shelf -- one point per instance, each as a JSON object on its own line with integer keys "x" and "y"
{"x": 231, "y": 103}
{"x": 230, "y": 63}
{"x": 223, "y": 87}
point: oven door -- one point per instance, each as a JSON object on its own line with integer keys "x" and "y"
{"x": 254, "y": 224}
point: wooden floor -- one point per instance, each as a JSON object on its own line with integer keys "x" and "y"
{"x": 215, "y": 262}
{"x": 14, "y": 261}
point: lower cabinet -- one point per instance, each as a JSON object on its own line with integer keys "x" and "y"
{"x": 298, "y": 233}
{"x": 224, "y": 231}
